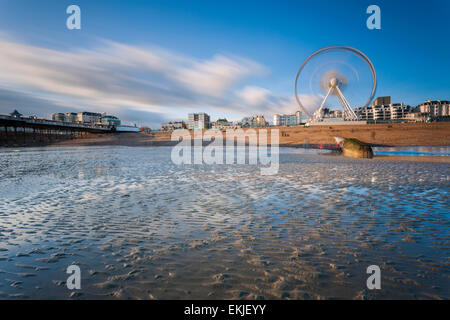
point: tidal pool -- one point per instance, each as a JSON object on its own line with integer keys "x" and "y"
{"x": 141, "y": 227}
{"x": 412, "y": 151}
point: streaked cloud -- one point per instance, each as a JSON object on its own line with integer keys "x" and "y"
{"x": 122, "y": 79}
{"x": 213, "y": 77}
{"x": 262, "y": 100}
{"x": 253, "y": 95}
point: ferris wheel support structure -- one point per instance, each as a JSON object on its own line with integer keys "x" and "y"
{"x": 349, "y": 114}
{"x": 334, "y": 83}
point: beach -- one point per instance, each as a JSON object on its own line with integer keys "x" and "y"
{"x": 394, "y": 134}
{"x": 397, "y": 135}
{"x": 141, "y": 227}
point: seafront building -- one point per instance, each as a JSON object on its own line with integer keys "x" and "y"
{"x": 254, "y": 122}
{"x": 224, "y": 124}
{"x": 89, "y": 117}
{"x": 127, "y": 129}
{"x": 198, "y": 121}
{"x": 430, "y": 111}
{"x": 110, "y": 120}
{"x": 435, "y": 109}
{"x": 171, "y": 126}
{"x": 417, "y": 117}
{"x": 85, "y": 117}
{"x": 58, "y": 117}
{"x": 383, "y": 110}
{"x": 389, "y": 112}
{"x": 70, "y": 117}
{"x": 287, "y": 119}
{"x": 382, "y": 101}
{"x": 336, "y": 114}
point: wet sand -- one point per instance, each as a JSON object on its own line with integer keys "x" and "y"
{"x": 119, "y": 139}
{"x": 432, "y": 158}
{"x": 163, "y": 139}
{"x": 141, "y": 227}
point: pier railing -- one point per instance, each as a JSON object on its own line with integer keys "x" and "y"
{"x": 29, "y": 122}
{"x": 19, "y": 131}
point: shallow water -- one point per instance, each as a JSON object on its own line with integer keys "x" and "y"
{"x": 412, "y": 151}
{"x": 141, "y": 227}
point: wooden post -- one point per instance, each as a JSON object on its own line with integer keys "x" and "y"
{"x": 6, "y": 136}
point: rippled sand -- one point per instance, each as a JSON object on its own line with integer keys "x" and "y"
{"x": 140, "y": 227}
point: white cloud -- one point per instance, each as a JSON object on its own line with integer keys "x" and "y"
{"x": 310, "y": 102}
{"x": 213, "y": 77}
{"x": 254, "y": 96}
{"x": 262, "y": 101}
{"x": 120, "y": 78}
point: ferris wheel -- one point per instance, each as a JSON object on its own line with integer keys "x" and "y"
{"x": 329, "y": 72}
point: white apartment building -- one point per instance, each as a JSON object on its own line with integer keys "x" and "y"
{"x": 287, "y": 119}
{"x": 71, "y": 117}
{"x": 89, "y": 117}
{"x": 435, "y": 109}
{"x": 393, "y": 111}
{"x": 198, "y": 121}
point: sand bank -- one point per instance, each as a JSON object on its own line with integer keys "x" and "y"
{"x": 396, "y": 135}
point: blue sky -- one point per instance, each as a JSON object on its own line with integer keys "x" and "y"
{"x": 228, "y": 58}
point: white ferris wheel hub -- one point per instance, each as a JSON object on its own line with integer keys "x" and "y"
{"x": 334, "y": 82}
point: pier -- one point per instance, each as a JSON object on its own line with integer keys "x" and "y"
{"x": 19, "y": 131}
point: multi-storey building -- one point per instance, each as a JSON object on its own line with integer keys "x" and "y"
{"x": 254, "y": 122}
{"x": 435, "y": 109}
{"x": 334, "y": 114}
{"x": 85, "y": 117}
{"x": 110, "y": 120}
{"x": 59, "y": 117}
{"x": 88, "y": 117}
{"x": 393, "y": 111}
{"x": 70, "y": 117}
{"x": 198, "y": 121}
{"x": 171, "y": 126}
{"x": 287, "y": 119}
{"x": 382, "y": 101}
{"x": 223, "y": 124}
{"x": 260, "y": 121}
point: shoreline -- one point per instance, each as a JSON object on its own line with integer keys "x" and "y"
{"x": 435, "y": 134}
{"x": 376, "y": 135}
{"x": 148, "y": 140}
